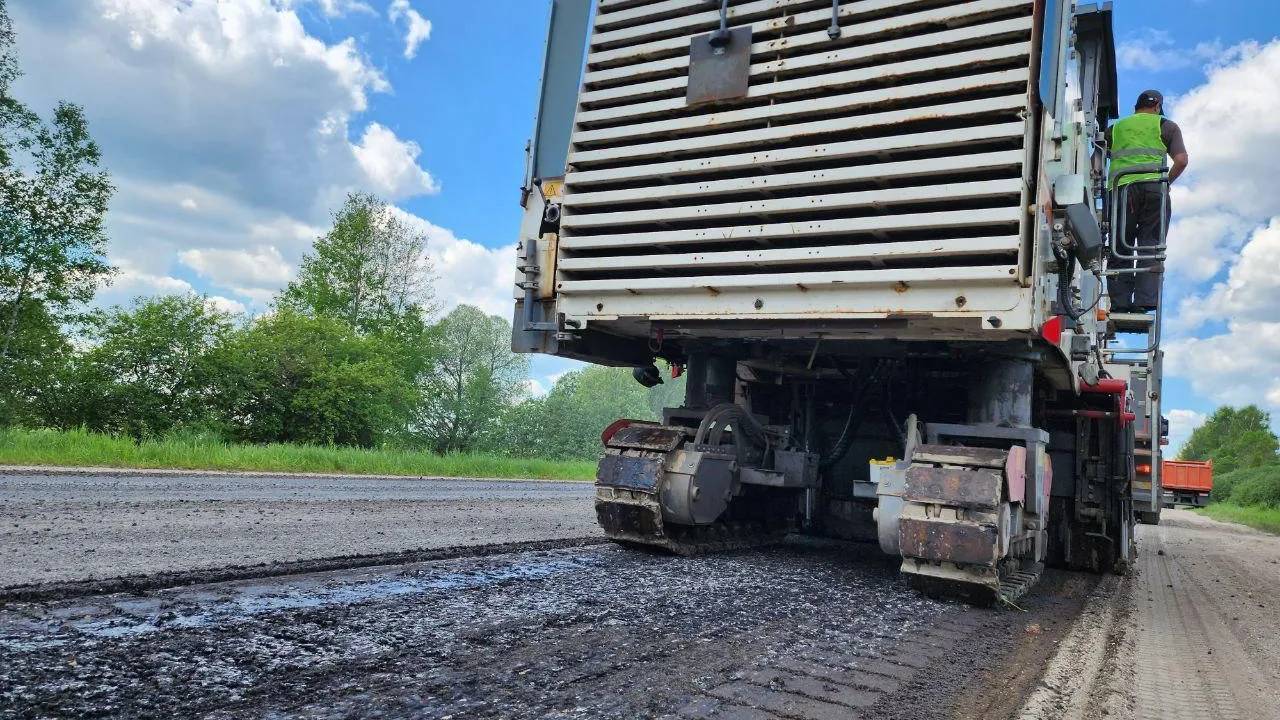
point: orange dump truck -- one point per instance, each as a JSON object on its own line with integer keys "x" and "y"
{"x": 1187, "y": 482}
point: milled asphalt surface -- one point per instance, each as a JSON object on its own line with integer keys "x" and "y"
{"x": 806, "y": 631}
{"x": 60, "y": 527}
{"x": 1190, "y": 635}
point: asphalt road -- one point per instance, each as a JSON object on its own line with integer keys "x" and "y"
{"x": 56, "y": 527}
{"x": 808, "y": 630}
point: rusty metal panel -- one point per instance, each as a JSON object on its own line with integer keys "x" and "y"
{"x": 960, "y": 542}
{"x": 719, "y": 73}
{"x": 629, "y": 471}
{"x": 640, "y": 436}
{"x": 626, "y": 519}
{"x": 962, "y": 487}
{"x": 953, "y": 455}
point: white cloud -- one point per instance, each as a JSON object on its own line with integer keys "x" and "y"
{"x": 226, "y": 305}
{"x": 1240, "y": 366}
{"x": 131, "y": 282}
{"x": 392, "y": 164}
{"x": 1202, "y": 243}
{"x": 417, "y": 28}
{"x": 335, "y": 8}
{"x": 1251, "y": 291}
{"x": 532, "y": 389}
{"x": 262, "y": 268}
{"x": 1155, "y": 51}
{"x": 224, "y": 123}
{"x": 1227, "y": 226}
{"x": 1181, "y": 424}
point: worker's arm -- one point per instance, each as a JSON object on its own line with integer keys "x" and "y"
{"x": 1179, "y": 166}
{"x": 1171, "y": 134}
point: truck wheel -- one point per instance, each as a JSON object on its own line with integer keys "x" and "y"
{"x": 1149, "y": 518}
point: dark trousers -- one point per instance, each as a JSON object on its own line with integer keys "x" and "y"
{"x": 1142, "y": 222}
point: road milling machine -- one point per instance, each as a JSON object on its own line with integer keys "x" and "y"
{"x": 874, "y": 238}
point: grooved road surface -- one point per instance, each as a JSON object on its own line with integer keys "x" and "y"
{"x": 1192, "y": 635}
{"x": 804, "y": 631}
{"x": 56, "y": 527}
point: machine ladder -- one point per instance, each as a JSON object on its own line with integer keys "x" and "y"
{"x": 1132, "y": 340}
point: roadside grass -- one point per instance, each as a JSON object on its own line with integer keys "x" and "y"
{"x": 80, "y": 448}
{"x": 1263, "y": 518}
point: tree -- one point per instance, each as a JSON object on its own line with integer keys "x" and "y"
{"x": 567, "y": 423}
{"x": 16, "y": 120}
{"x": 1234, "y": 439}
{"x": 148, "y": 371}
{"x": 473, "y": 377}
{"x": 53, "y": 199}
{"x": 32, "y": 384}
{"x": 369, "y": 271}
{"x": 294, "y": 378}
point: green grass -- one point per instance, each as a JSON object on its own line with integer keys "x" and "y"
{"x": 1262, "y": 518}
{"x": 79, "y": 448}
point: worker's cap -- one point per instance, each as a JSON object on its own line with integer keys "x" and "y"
{"x": 1149, "y": 98}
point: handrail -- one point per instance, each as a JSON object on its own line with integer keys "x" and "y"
{"x": 1118, "y": 240}
{"x": 1120, "y": 215}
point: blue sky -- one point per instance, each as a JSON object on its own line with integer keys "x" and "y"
{"x": 234, "y": 126}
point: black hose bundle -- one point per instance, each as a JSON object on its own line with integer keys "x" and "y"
{"x": 728, "y": 416}
{"x": 861, "y": 385}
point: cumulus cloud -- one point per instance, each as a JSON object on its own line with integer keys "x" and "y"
{"x": 335, "y": 8}
{"x": 243, "y": 271}
{"x": 391, "y": 164}
{"x": 417, "y": 29}
{"x": 131, "y": 281}
{"x": 1227, "y": 226}
{"x": 1240, "y": 366}
{"x": 1181, "y": 424}
{"x": 225, "y": 124}
{"x": 1251, "y": 291}
{"x": 531, "y": 388}
{"x": 226, "y": 305}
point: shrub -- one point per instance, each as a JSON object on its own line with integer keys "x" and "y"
{"x": 1257, "y": 487}
{"x": 1224, "y": 484}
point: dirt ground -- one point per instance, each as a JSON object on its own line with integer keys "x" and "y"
{"x": 1192, "y": 634}
{"x": 59, "y": 527}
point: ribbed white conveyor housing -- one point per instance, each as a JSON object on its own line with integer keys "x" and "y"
{"x": 886, "y": 171}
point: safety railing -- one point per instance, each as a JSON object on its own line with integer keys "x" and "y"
{"x": 1127, "y": 257}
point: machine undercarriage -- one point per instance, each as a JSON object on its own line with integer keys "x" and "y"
{"x": 943, "y": 453}
{"x": 875, "y": 237}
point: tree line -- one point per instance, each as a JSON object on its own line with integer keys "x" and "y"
{"x": 351, "y": 352}
{"x": 1245, "y": 454}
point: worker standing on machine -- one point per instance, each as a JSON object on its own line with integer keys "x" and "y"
{"x": 1143, "y": 138}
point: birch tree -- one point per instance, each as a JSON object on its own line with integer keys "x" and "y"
{"x": 370, "y": 270}
{"x": 53, "y": 202}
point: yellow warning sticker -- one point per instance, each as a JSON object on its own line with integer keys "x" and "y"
{"x": 552, "y": 188}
